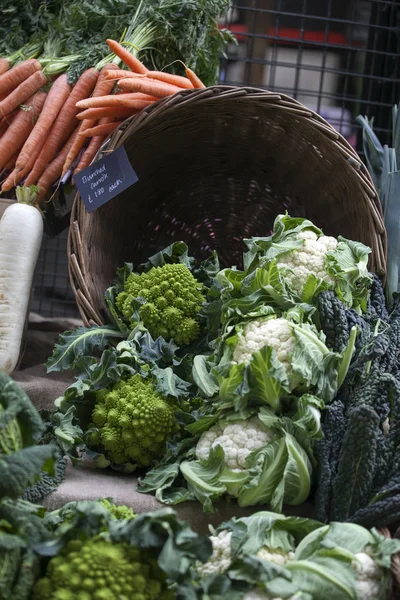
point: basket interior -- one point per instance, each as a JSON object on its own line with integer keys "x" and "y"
{"x": 211, "y": 173}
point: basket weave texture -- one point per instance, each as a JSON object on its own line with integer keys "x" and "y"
{"x": 215, "y": 166}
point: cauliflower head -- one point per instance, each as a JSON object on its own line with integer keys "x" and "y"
{"x": 276, "y": 333}
{"x": 299, "y": 264}
{"x": 133, "y": 422}
{"x": 274, "y": 555}
{"x": 221, "y": 557}
{"x": 173, "y": 299}
{"x": 96, "y": 569}
{"x": 237, "y": 439}
{"x": 369, "y": 576}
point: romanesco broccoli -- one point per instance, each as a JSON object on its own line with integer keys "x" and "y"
{"x": 96, "y": 569}
{"x": 119, "y": 512}
{"x": 133, "y": 422}
{"x": 173, "y": 299}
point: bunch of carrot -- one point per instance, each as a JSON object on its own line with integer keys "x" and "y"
{"x": 45, "y": 135}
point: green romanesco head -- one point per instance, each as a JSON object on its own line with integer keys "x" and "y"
{"x": 121, "y": 512}
{"x": 133, "y": 422}
{"x": 96, "y": 569}
{"x": 173, "y": 302}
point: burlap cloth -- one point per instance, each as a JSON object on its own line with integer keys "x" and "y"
{"x": 86, "y": 482}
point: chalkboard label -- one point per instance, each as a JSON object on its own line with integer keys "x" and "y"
{"x": 105, "y": 179}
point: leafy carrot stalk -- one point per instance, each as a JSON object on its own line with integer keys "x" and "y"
{"x": 12, "y": 78}
{"x": 20, "y": 128}
{"x": 104, "y": 112}
{"x": 55, "y": 100}
{"x": 118, "y": 100}
{"x": 148, "y": 86}
{"x": 181, "y": 82}
{"x": 53, "y": 170}
{"x": 103, "y": 87}
{"x": 101, "y": 130}
{"x": 64, "y": 124}
{"x": 4, "y": 65}
{"x": 196, "y": 82}
{"x": 90, "y": 153}
{"x": 24, "y": 91}
{"x": 131, "y": 61}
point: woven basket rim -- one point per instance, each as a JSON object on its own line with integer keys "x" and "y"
{"x": 218, "y": 93}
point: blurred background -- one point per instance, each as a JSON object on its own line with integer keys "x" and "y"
{"x": 340, "y": 58}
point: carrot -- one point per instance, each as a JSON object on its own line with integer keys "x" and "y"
{"x": 12, "y": 78}
{"x": 54, "y": 170}
{"x": 191, "y": 75}
{"x": 4, "y": 65}
{"x": 13, "y": 178}
{"x": 116, "y": 74}
{"x": 20, "y": 128}
{"x": 103, "y": 87}
{"x": 56, "y": 98}
{"x": 24, "y": 91}
{"x": 11, "y": 163}
{"x": 90, "y": 153}
{"x": 127, "y": 100}
{"x": 131, "y": 61}
{"x": 104, "y": 129}
{"x": 106, "y": 111}
{"x": 3, "y": 126}
{"x": 148, "y": 86}
{"x": 181, "y": 82}
{"x": 64, "y": 125}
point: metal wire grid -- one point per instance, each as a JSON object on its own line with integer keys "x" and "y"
{"x": 339, "y": 57}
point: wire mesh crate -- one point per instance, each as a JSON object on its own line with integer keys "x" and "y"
{"x": 338, "y": 57}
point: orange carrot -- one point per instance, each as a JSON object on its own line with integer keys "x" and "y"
{"x": 13, "y": 179}
{"x": 116, "y": 74}
{"x": 15, "y": 136}
{"x": 3, "y": 126}
{"x": 12, "y": 78}
{"x": 148, "y": 86}
{"x": 131, "y": 61}
{"x": 55, "y": 100}
{"x": 90, "y": 153}
{"x": 4, "y": 65}
{"x": 106, "y": 111}
{"x": 181, "y": 82}
{"x": 53, "y": 171}
{"x": 103, "y": 87}
{"x": 191, "y": 75}
{"x": 24, "y": 91}
{"x": 11, "y": 163}
{"x": 100, "y": 130}
{"x": 64, "y": 125}
{"x": 129, "y": 100}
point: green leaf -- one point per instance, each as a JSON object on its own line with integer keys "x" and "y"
{"x": 22, "y": 469}
{"x": 266, "y": 376}
{"x": 203, "y": 478}
{"x": 175, "y": 253}
{"x": 72, "y": 345}
{"x": 169, "y": 384}
{"x": 332, "y": 579}
{"x": 203, "y": 377}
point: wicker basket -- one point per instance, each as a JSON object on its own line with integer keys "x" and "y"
{"x": 214, "y": 166}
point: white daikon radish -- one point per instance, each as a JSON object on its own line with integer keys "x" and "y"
{"x": 21, "y": 232}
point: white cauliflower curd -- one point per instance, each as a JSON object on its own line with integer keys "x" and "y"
{"x": 237, "y": 439}
{"x": 276, "y": 333}
{"x": 308, "y": 260}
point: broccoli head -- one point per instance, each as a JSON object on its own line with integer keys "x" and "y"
{"x": 173, "y": 300}
{"x": 97, "y": 569}
{"x": 133, "y": 422}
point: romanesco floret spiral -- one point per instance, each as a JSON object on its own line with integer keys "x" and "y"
{"x": 133, "y": 422}
{"x": 307, "y": 260}
{"x": 96, "y": 569}
{"x": 173, "y": 302}
{"x": 237, "y": 439}
{"x": 276, "y": 333}
{"x": 119, "y": 512}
